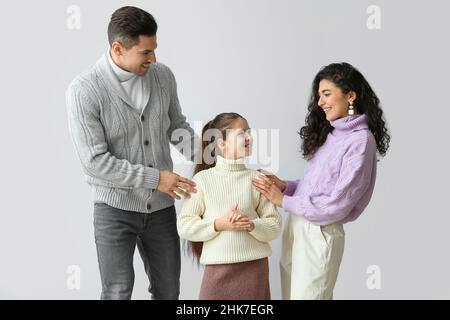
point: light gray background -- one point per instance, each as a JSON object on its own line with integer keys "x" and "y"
{"x": 254, "y": 57}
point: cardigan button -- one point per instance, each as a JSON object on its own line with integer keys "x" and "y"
{"x": 149, "y": 206}
{"x": 146, "y": 142}
{"x": 142, "y": 118}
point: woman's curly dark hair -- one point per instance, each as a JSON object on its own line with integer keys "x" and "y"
{"x": 347, "y": 78}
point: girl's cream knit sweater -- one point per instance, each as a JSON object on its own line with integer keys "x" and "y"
{"x": 218, "y": 190}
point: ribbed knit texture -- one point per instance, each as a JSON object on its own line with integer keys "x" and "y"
{"x": 219, "y": 189}
{"x": 339, "y": 180}
{"x": 121, "y": 150}
{"x": 136, "y": 87}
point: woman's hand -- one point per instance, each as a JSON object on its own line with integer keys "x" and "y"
{"x": 269, "y": 189}
{"x": 234, "y": 220}
{"x": 280, "y": 184}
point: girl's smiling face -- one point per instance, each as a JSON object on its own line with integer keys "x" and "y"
{"x": 238, "y": 142}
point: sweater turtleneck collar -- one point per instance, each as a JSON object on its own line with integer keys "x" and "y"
{"x": 349, "y": 124}
{"x": 230, "y": 164}
{"x": 121, "y": 74}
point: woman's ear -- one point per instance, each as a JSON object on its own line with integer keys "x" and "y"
{"x": 351, "y": 96}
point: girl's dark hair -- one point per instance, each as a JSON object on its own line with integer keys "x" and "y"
{"x": 128, "y": 23}
{"x": 347, "y": 78}
{"x": 220, "y": 124}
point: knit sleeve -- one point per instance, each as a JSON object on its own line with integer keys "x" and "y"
{"x": 354, "y": 179}
{"x": 290, "y": 187}
{"x": 88, "y": 137}
{"x": 268, "y": 223}
{"x": 191, "y": 223}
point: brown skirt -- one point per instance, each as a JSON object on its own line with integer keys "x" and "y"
{"x": 236, "y": 281}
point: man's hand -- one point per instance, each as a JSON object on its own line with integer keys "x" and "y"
{"x": 175, "y": 185}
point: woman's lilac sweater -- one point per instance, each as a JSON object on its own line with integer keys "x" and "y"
{"x": 339, "y": 179}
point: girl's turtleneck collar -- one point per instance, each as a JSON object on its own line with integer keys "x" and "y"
{"x": 230, "y": 164}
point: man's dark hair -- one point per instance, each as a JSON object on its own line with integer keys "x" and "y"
{"x": 128, "y": 23}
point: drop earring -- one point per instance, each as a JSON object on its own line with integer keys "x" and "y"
{"x": 351, "y": 111}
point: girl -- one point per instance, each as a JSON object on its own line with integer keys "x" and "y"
{"x": 229, "y": 223}
{"x": 344, "y": 130}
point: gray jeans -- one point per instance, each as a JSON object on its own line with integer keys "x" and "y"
{"x": 117, "y": 232}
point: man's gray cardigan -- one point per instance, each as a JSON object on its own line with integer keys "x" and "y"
{"x": 122, "y": 151}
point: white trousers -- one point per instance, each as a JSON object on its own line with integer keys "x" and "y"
{"x": 311, "y": 256}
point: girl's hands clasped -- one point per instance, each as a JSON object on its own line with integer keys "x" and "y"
{"x": 234, "y": 220}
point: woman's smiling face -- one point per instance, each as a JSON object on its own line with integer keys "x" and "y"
{"x": 333, "y": 101}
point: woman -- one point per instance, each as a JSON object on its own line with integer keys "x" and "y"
{"x": 343, "y": 132}
{"x": 228, "y": 222}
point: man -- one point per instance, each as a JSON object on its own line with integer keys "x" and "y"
{"x": 122, "y": 114}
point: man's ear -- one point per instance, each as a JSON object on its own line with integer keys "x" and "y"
{"x": 117, "y": 48}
